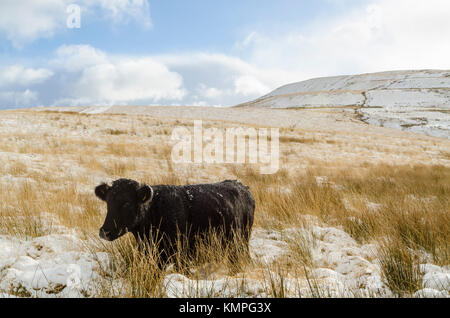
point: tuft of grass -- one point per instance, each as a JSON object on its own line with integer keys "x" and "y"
{"x": 301, "y": 244}
{"x": 116, "y": 132}
{"x": 301, "y": 140}
{"x": 18, "y": 169}
{"x": 120, "y": 168}
{"x": 21, "y": 218}
{"x": 139, "y": 274}
{"x": 276, "y": 282}
{"x": 400, "y": 268}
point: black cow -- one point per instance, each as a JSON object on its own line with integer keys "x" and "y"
{"x": 163, "y": 214}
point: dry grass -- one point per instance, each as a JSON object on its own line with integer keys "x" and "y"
{"x": 116, "y": 132}
{"x": 412, "y": 203}
{"x": 301, "y": 245}
{"x": 143, "y": 277}
{"x": 400, "y": 267}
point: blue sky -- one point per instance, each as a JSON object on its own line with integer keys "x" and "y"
{"x": 199, "y": 52}
{"x": 180, "y": 25}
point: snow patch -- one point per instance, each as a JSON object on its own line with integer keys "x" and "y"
{"x": 266, "y": 246}
{"x": 95, "y": 110}
{"x": 48, "y": 266}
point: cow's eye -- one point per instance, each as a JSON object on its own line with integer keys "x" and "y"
{"x": 126, "y": 205}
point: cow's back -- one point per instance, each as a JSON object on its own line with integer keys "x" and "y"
{"x": 228, "y": 205}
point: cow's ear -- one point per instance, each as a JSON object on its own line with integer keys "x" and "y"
{"x": 145, "y": 194}
{"x": 101, "y": 191}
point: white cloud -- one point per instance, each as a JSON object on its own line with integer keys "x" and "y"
{"x": 21, "y": 76}
{"x": 123, "y": 10}
{"x": 74, "y": 58}
{"x": 24, "y": 21}
{"x": 384, "y": 35}
{"x": 126, "y": 81}
{"x": 81, "y": 74}
{"x": 96, "y": 78}
{"x": 249, "y": 85}
{"x": 27, "y": 20}
{"x": 209, "y": 92}
{"x": 14, "y": 82}
{"x": 219, "y": 79}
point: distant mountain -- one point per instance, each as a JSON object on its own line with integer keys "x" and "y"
{"x": 412, "y": 100}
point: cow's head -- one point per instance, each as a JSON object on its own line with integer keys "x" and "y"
{"x": 125, "y": 201}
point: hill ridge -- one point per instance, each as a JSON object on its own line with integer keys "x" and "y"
{"x": 415, "y": 100}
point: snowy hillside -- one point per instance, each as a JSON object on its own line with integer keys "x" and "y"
{"x": 412, "y": 100}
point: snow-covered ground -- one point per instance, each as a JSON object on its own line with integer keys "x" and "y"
{"x": 95, "y": 110}
{"x": 57, "y": 265}
{"x": 48, "y": 266}
{"x": 342, "y": 268}
{"x": 433, "y": 122}
{"x": 417, "y": 101}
